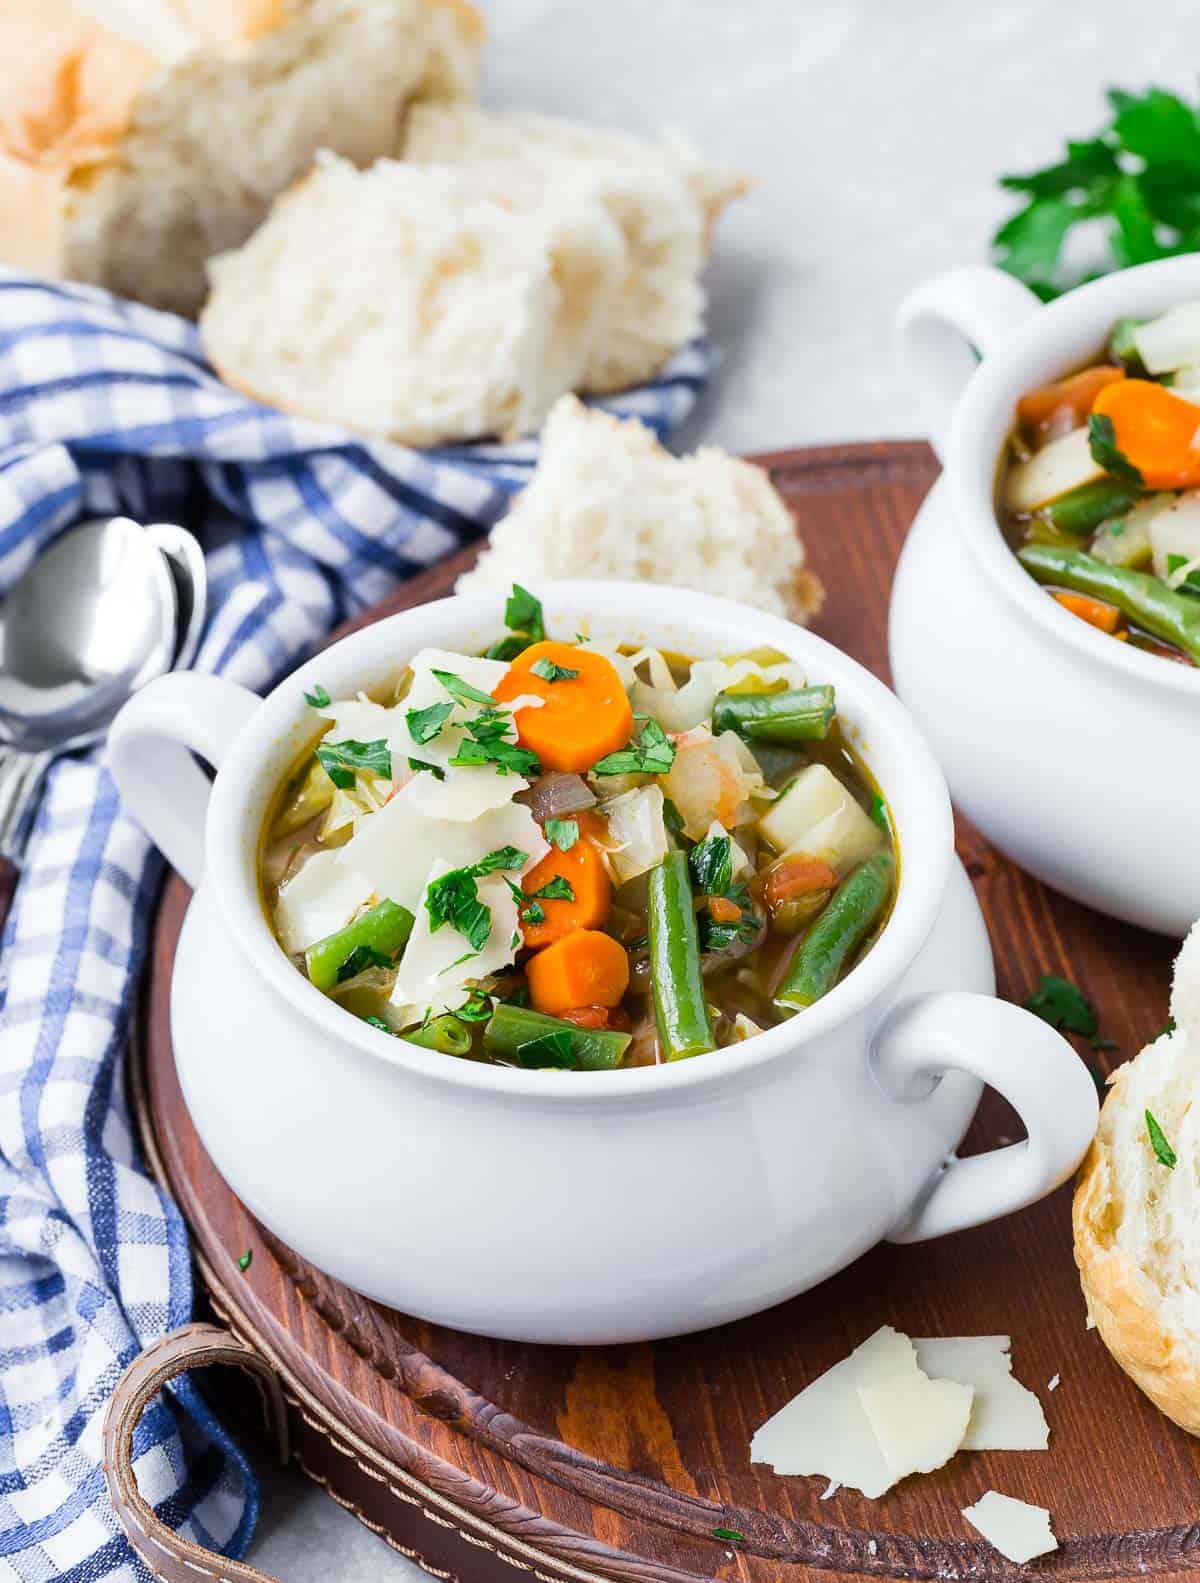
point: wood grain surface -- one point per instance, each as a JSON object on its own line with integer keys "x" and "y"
{"x": 620, "y": 1462}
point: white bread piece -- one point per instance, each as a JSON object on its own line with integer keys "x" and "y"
{"x": 606, "y": 500}
{"x": 1137, "y": 1222}
{"x": 401, "y": 302}
{"x": 664, "y": 196}
{"x": 139, "y": 137}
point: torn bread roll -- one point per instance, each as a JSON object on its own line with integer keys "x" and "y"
{"x": 664, "y": 196}
{"x": 607, "y": 500}
{"x": 403, "y": 302}
{"x": 1137, "y": 1232}
{"x": 140, "y": 137}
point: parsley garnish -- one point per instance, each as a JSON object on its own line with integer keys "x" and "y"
{"x": 318, "y": 698}
{"x": 672, "y": 817}
{"x": 377, "y": 1022}
{"x": 453, "y": 898}
{"x": 478, "y": 1007}
{"x": 556, "y": 889}
{"x": 1102, "y": 441}
{"x": 650, "y": 753}
{"x": 1163, "y": 1151}
{"x": 523, "y": 613}
{"x": 487, "y": 743}
{"x": 245, "y": 1260}
{"x": 550, "y": 1049}
{"x": 534, "y": 913}
{"x": 732, "y": 1534}
{"x": 463, "y": 691}
{"x": 341, "y": 761}
{"x": 1191, "y": 583}
{"x": 360, "y": 959}
{"x": 424, "y": 724}
{"x": 562, "y": 833}
{"x": 435, "y": 770}
{"x": 1133, "y": 182}
{"x": 550, "y": 672}
{"x": 711, "y": 864}
{"x": 716, "y": 936}
{"x": 514, "y": 943}
{"x": 1058, "y": 1002}
{"x": 879, "y": 811}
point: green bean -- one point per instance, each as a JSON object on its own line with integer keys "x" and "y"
{"x": 1085, "y": 507}
{"x": 446, "y": 1034}
{"x": 680, "y": 1004}
{"x": 380, "y": 933}
{"x": 853, "y": 911}
{"x": 592, "y": 1049}
{"x": 802, "y": 714}
{"x": 1141, "y": 597}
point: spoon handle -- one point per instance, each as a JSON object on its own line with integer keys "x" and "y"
{"x": 20, "y": 781}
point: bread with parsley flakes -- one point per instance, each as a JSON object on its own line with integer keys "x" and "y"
{"x": 607, "y": 500}
{"x": 1137, "y": 1231}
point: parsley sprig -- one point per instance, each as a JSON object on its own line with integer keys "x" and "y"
{"x": 453, "y": 897}
{"x": 318, "y": 698}
{"x": 1137, "y": 181}
{"x": 650, "y": 753}
{"x": 487, "y": 742}
{"x": 550, "y": 672}
{"x": 424, "y": 724}
{"x": 1063, "y": 1005}
{"x": 523, "y": 615}
{"x": 342, "y": 761}
{"x": 562, "y": 833}
{"x": 1163, "y": 1151}
{"x": 1106, "y": 453}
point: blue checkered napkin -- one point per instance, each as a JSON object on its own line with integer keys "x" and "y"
{"x": 107, "y": 407}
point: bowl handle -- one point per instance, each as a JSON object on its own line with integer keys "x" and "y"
{"x": 150, "y": 751}
{"x": 1013, "y": 1051}
{"x": 945, "y": 326}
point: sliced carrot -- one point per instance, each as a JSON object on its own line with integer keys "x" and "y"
{"x": 797, "y": 876}
{"x": 586, "y": 1016}
{"x": 1039, "y": 410}
{"x": 584, "y": 870}
{"x": 1155, "y": 430}
{"x": 722, "y": 910}
{"x": 584, "y": 968}
{"x": 585, "y": 715}
{"x": 1094, "y": 611}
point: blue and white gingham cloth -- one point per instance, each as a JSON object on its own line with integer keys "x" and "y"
{"x": 106, "y": 407}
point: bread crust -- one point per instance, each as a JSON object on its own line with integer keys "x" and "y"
{"x": 1120, "y": 1302}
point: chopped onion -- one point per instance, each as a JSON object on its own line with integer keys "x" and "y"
{"x": 553, "y": 795}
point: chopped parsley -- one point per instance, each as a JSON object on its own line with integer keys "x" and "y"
{"x": 534, "y": 913}
{"x": 478, "y": 1007}
{"x": 424, "y": 724}
{"x": 245, "y": 1260}
{"x": 514, "y": 943}
{"x": 550, "y": 672}
{"x": 1189, "y": 584}
{"x": 556, "y": 889}
{"x": 377, "y": 1022}
{"x": 463, "y": 691}
{"x": 731, "y": 1534}
{"x": 562, "y": 833}
{"x": 360, "y": 959}
{"x": 341, "y": 761}
{"x": 523, "y": 614}
{"x": 672, "y": 817}
{"x": 719, "y": 936}
{"x": 550, "y": 1049}
{"x": 711, "y": 865}
{"x": 879, "y": 812}
{"x": 435, "y": 770}
{"x": 453, "y": 898}
{"x": 1058, "y": 1002}
{"x": 1102, "y": 440}
{"x": 1163, "y": 1151}
{"x": 487, "y": 742}
{"x": 650, "y": 753}
{"x": 318, "y": 698}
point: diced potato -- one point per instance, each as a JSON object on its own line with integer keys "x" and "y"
{"x": 817, "y": 817}
{"x": 1125, "y": 541}
{"x": 1062, "y": 465}
{"x": 1176, "y": 531}
{"x": 1187, "y": 384}
{"x": 1172, "y": 340}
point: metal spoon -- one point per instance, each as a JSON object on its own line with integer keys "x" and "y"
{"x": 189, "y": 573}
{"x": 92, "y": 619}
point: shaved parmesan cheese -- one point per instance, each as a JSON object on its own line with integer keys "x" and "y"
{"x": 360, "y": 720}
{"x": 918, "y": 1422}
{"x": 1053, "y": 1382}
{"x": 464, "y": 794}
{"x": 830, "y": 1490}
{"x": 826, "y": 1429}
{"x": 323, "y": 896}
{"x": 438, "y": 967}
{"x": 1005, "y": 1416}
{"x": 1019, "y": 1531}
{"x": 392, "y": 849}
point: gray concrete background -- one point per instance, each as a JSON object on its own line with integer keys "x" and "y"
{"x": 875, "y": 129}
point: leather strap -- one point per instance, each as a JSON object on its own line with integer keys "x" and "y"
{"x": 170, "y": 1557}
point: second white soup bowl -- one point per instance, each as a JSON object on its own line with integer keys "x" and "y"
{"x": 588, "y": 1206}
{"x": 1077, "y": 755}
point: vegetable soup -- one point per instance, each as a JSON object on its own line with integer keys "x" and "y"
{"x": 1099, "y": 486}
{"x": 555, "y": 855}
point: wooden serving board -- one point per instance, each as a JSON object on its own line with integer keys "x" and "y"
{"x": 479, "y": 1456}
